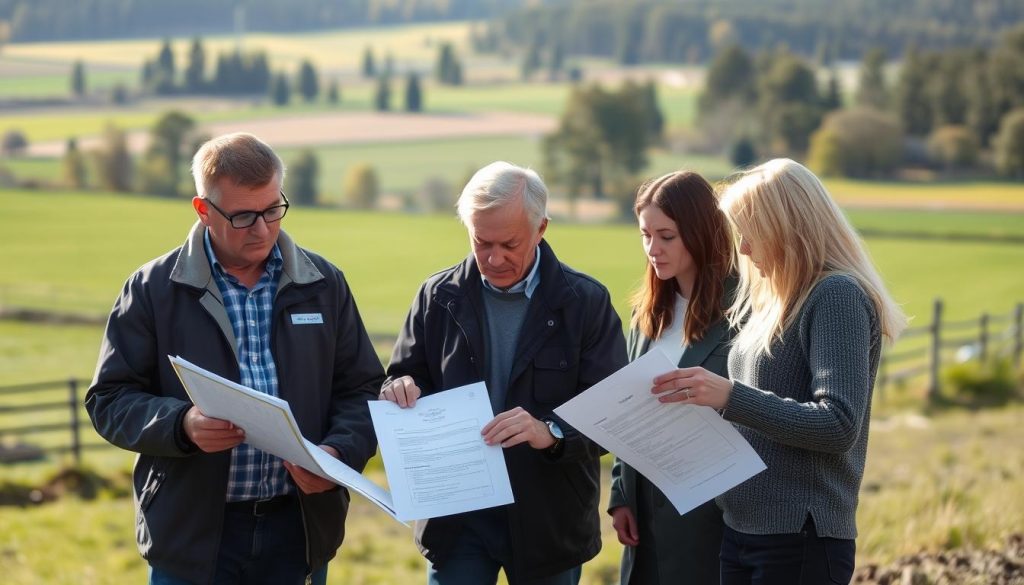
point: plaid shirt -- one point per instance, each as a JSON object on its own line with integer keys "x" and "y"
{"x": 254, "y": 475}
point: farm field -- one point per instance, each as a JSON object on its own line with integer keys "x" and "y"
{"x": 72, "y": 251}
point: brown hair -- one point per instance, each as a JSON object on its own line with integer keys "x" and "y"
{"x": 688, "y": 200}
{"x": 247, "y": 160}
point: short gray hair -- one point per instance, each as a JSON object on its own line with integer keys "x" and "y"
{"x": 500, "y": 183}
{"x": 242, "y": 157}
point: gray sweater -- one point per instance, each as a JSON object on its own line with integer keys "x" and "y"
{"x": 805, "y": 410}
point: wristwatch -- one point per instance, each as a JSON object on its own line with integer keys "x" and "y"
{"x": 556, "y": 432}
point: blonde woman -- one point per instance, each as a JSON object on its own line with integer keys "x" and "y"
{"x": 812, "y": 312}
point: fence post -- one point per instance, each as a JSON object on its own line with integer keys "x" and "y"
{"x": 1018, "y": 336}
{"x": 76, "y": 443}
{"x": 933, "y": 383}
{"x": 983, "y": 338}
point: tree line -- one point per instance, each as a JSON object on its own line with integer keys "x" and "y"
{"x": 40, "y": 20}
{"x": 637, "y": 31}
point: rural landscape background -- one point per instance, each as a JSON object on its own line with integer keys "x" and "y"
{"x": 912, "y": 111}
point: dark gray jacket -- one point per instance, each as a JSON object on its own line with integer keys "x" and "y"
{"x": 327, "y": 372}
{"x": 571, "y": 338}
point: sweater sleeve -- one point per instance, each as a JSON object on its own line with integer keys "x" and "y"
{"x": 839, "y": 344}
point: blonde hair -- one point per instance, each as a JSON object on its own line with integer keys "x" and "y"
{"x": 802, "y": 236}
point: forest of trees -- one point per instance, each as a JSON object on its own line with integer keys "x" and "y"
{"x": 37, "y": 20}
{"x": 635, "y": 31}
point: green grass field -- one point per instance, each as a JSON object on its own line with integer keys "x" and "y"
{"x": 72, "y": 251}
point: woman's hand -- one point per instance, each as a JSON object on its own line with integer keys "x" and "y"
{"x": 624, "y": 523}
{"x": 693, "y": 386}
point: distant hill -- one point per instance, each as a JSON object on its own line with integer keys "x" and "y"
{"x": 44, "y": 20}
{"x": 636, "y": 31}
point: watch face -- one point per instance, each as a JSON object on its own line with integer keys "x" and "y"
{"x": 555, "y": 431}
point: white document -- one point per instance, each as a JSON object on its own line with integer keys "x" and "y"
{"x": 688, "y": 451}
{"x": 436, "y": 458}
{"x": 270, "y": 426}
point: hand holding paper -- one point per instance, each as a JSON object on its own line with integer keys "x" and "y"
{"x": 269, "y": 425}
{"x": 688, "y": 451}
{"x": 435, "y": 457}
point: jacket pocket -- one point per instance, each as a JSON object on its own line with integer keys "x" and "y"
{"x": 555, "y": 375}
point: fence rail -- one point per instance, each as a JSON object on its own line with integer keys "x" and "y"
{"x": 68, "y": 410}
{"x": 975, "y": 339}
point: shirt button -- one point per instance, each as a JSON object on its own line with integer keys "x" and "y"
{"x": 551, "y": 323}
{"x": 255, "y": 359}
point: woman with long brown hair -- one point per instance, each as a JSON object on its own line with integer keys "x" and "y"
{"x": 679, "y": 310}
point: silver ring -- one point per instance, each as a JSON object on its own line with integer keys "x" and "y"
{"x": 687, "y": 390}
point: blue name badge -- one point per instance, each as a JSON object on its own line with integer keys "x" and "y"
{"x": 307, "y": 318}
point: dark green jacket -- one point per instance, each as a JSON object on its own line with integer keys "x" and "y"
{"x": 326, "y": 372}
{"x": 686, "y": 546}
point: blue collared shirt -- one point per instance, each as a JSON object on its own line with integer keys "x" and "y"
{"x": 525, "y": 286}
{"x": 254, "y": 475}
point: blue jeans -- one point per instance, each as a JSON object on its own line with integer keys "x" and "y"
{"x": 481, "y": 551}
{"x": 802, "y": 558}
{"x": 264, "y": 549}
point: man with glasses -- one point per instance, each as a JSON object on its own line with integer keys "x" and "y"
{"x": 242, "y": 300}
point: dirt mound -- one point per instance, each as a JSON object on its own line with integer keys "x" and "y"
{"x": 961, "y": 567}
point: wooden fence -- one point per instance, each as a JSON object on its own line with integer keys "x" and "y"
{"x": 52, "y": 414}
{"x": 923, "y": 351}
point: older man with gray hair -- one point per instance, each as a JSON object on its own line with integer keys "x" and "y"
{"x": 538, "y": 333}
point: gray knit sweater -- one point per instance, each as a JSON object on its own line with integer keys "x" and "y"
{"x": 806, "y": 410}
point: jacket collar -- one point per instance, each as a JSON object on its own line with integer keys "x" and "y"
{"x": 192, "y": 267}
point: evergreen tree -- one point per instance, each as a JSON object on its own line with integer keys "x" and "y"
{"x": 309, "y": 84}
{"x": 789, "y": 104}
{"x": 163, "y": 82}
{"x": 730, "y": 77}
{"x": 73, "y": 172}
{"x": 369, "y": 68}
{"x": 413, "y": 93}
{"x": 382, "y": 95}
{"x": 946, "y": 89}
{"x": 833, "y": 99}
{"x": 78, "y": 78}
{"x": 195, "y": 71}
{"x": 531, "y": 61}
{"x": 913, "y": 107}
{"x": 871, "y": 87}
{"x": 448, "y": 69}
{"x": 303, "y": 173}
{"x": 281, "y": 92}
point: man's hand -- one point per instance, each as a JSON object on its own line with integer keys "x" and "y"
{"x": 308, "y": 482}
{"x": 211, "y": 434}
{"x": 516, "y": 426}
{"x": 402, "y": 391}
{"x": 624, "y": 523}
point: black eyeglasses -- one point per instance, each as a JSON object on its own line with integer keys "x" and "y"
{"x": 244, "y": 219}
